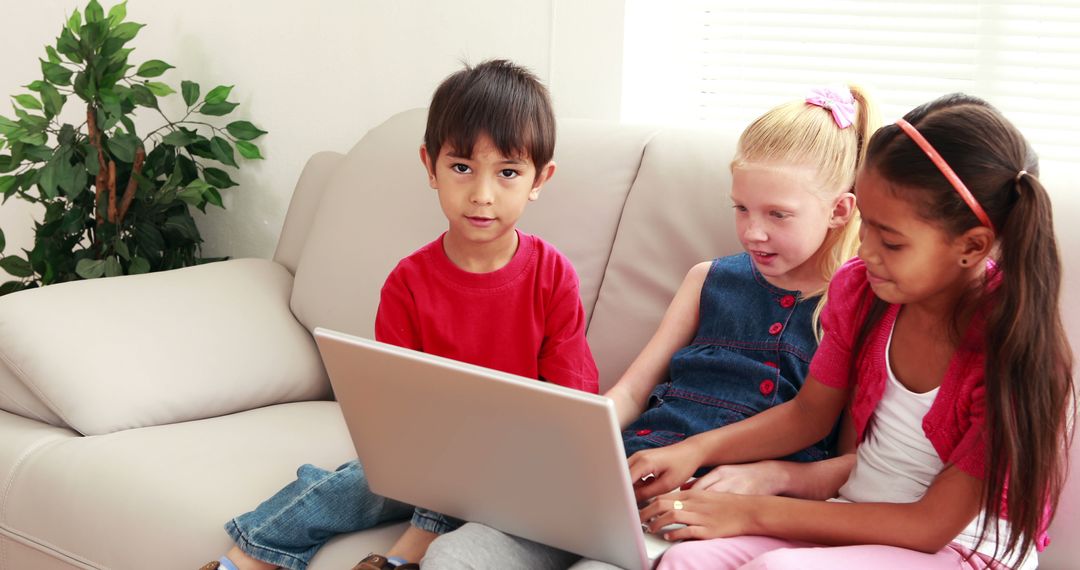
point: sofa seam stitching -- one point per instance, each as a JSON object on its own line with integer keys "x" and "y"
{"x": 22, "y": 376}
{"x": 40, "y": 546}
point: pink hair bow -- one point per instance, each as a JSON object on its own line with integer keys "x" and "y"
{"x": 841, "y": 103}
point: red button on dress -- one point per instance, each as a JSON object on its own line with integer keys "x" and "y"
{"x": 644, "y": 431}
{"x": 766, "y": 387}
{"x": 775, "y": 328}
{"x": 787, "y": 301}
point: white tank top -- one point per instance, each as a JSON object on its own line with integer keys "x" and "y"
{"x": 895, "y": 463}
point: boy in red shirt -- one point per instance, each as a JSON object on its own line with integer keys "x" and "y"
{"x": 483, "y": 293}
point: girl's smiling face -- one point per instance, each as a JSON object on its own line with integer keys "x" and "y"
{"x": 782, "y": 219}
{"x": 908, "y": 258}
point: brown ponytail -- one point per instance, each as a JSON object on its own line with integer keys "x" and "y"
{"x": 1028, "y": 375}
{"x": 1028, "y": 372}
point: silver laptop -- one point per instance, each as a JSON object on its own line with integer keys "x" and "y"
{"x": 530, "y": 458}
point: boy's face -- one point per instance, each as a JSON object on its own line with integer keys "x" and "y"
{"x": 483, "y": 195}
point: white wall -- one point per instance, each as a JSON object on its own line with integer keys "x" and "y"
{"x": 318, "y": 75}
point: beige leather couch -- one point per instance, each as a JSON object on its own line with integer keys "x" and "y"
{"x": 139, "y": 413}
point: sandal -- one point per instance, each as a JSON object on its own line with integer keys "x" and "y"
{"x": 377, "y": 562}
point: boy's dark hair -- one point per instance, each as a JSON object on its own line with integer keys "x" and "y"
{"x": 497, "y": 98}
{"x": 1028, "y": 370}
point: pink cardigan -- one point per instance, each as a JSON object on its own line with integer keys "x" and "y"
{"x": 955, "y": 424}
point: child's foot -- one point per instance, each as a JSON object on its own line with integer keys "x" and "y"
{"x": 236, "y": 559}
{"x": 376, "y": 562}
{"x": 219, "y": 564}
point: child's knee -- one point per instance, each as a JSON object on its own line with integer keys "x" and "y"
{"x": 685, "y": 556}
{"x": 458, "y": 549}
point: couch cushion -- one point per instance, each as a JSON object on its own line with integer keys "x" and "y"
{"x": 372, "y": 215}
{"x": 174, "y": 346}
{"x": 17, "y": 398}
{"x": 678, "y": 213}
{"x": 160, "y": 495}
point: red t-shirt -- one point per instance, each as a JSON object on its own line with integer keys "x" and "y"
{"x": 525, "y": 318}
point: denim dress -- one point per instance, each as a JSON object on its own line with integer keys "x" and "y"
{"x": 751, "y": 352}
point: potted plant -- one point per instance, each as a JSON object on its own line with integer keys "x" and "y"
{"x": 114, "y": 201}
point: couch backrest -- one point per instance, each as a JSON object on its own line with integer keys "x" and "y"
{"x": 633, "y": 207}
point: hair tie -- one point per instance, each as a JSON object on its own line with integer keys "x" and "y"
{"x": 841, "y": 103}
{"x": 1020, "y": 175}
{"x": 946, "y": 170}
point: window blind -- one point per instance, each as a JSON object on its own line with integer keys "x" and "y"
{"x": 722, "y": 63}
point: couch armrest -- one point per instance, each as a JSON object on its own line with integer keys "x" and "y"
{"x": 111, "y": 354}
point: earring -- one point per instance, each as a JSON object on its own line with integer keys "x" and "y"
{"x": 964, "y": 262}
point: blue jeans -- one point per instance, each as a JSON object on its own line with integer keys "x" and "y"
{"x": 290, "y": 527}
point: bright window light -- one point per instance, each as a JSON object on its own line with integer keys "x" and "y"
{"x": 720, "y": 64}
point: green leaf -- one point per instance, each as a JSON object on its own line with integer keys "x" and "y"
{"x": 126, "y": 32}
{"x": 193, "y": 193}
{"x": 110, "y": 48}
{"x": 218, "y": 178}
{"x": 7, "y": 126}
{"x": 47, "y": 180}
{"x": 217, "y": 109}
{"x": 55, "y": 73}
{"x": 150, "y": 240}
{"x": 90, "y": 268}
{"x": 122, "y": 248}
{"x": 74, "y": 180}
{"x": 214, "y": 197}
{"x": 123, "y": 146}
{"x": 120, "y": 57}
{"x": 67, "y": 135}
{"x": 28, "y": 101}
{"x": 16, "y": 266}
{"x": 113, "y": 267}
{"x": 202, "y": 149}
{"x": 248, "y": 150}
{"x": 219, "y": 94}
{"x": 94, "y": 12}
{"x": 53, "y": 100}
{"x": 118, "y": 13}
{"x": 53, "y": 56}
{"x": 32, "y": 123}
{"x": 81, "y": 85}
{"x": 190, "y": 90}
{"x": 180, "y": 138}
{"x": 93, "y": 35}
{"x": 68, "y": 45}
{"x": 7, "y": 184}
{"x": 183, "y": 226}
{"x": 153, "y": 68}
{"x": 11, "y": 287}
{"x": 75, "y": 21}
{"x": 128, "y": 124}
{"x": 244, "y": 130}
{"x": 73, "y": 221}
{"x": 33, "y": 139}
{"x": 138, "y": 266}
{"x": 143, "y": 96}
{"x": 158, "y": 88}
{"x": 3, "y": 240}
{"x": 7, "y": 164}
{"x": 223, "y": 151}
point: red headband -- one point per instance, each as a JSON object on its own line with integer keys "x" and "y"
{"x": 951, "y": 176}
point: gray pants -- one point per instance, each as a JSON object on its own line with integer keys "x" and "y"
{"x": 478, "y": 547}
